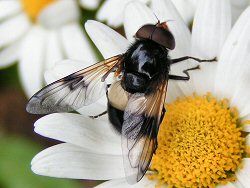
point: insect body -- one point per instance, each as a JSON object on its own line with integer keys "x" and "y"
{"x": 145, "y": 67}
{"x": 135, "y": 102}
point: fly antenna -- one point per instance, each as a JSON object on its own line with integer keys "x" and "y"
{"x": 169, "y": 21}
{"x": 158, "y": 21}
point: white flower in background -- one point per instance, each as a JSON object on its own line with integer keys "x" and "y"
{"x": 89, "y": 4}
{"x": 39, "y": 33}
{"x": 112, "y": 10}
{"x": 202, "y": 140}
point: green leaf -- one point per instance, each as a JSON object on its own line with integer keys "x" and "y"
{"x": 15, "y": 157}
{"x": 9, "y": 76}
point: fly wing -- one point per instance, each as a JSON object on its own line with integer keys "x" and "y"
{"x": 142, "y": 118}
{"x": 75, "y": 90}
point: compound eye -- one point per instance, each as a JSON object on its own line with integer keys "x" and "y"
{"x": 159, "y": 35}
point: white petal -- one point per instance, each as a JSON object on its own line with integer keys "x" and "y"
{"x": 59, "y": 13}
{"x": 76, "y": 44}
{"x": 53, "y": 50}
{"x": 228, "y": 185}
{"x": 95, "y": 135}
{"x": 108, "y": 41}
{"x": 232, "y": 76}
{"x": 13, "y": 29}
{"x": 136, "y": 14}
{"x": 184, "y": 88}
{"x": 9, "y": 55}
{"x": 121, "y": 183}
{"x": 49, "y": 77}
{"x": 31, "y": 60}
{"x": 9, "y": 8}
{"x": 95, "y": 108}
{"x": 66, "y": 67}
{"x": 212, "y": 23}
{"x": 69, "y": 161}
{"x": 246, "y": 127}
{"x": 186, "y": 9}
{"x": 237, "y": 184}
{"x": 90, "y": 4}
{"x": 145, "y": 1}
{"x": 209, "y": 34}
{"x": 248, "y": 140}
{"x": 238, "y": 6}
{"x": 165, "y": 10}
{"x": 203, "y": 79}
{"x": 241, "y": 91}
{"x": 112, "y": 12}
{"x": 244, "y": 173}
{"x": 173, "y": 91}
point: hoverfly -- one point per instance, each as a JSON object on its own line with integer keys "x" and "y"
{"x": 135, "y": 101}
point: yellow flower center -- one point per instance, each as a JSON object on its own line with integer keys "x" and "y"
{"x": 200, "y": 143}
{"x": 34, "y": 7}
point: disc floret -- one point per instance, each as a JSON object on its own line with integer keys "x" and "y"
{"x": 200, "y": 143}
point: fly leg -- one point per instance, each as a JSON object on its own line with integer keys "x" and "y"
{"x": 105, "y": 112}
{"x": 187, "y": 77}
{"x": 194, "y": 58}
{"x": 162, "y": 114}
{"x": 99, "y": 115}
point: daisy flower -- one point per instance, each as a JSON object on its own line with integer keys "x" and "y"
{"x": 203, "y": 140}
{"x": 39, "y": 33}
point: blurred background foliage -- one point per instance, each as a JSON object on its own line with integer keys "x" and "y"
{"x": 18, "y": 142}
{"x": 16, "y": 154}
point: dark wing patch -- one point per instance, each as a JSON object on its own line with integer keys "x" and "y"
{"x": 142, "y": 118}
{"x": 75, "y": 90}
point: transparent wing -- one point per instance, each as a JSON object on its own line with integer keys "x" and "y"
{"x": 142, "y": 118}
{"x": 75, "y": 90}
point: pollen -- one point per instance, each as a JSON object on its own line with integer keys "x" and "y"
{"x": 34, "y": 7}
{"x": 200, "y": 143}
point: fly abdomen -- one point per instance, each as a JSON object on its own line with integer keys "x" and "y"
{"x": 117, "y": 102}
{"x": 115, "y": 117}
